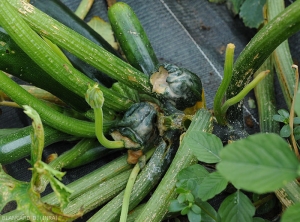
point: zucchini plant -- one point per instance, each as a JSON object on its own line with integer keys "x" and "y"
{"x": 26, "y": 193}
{"x": 156, "y": 111}
{"x": 57, "y": 10}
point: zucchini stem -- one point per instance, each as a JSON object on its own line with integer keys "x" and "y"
{"x": 282, "y": 55}
{"x": 84, "y": 49}
{"x": 276, "y": 31}
{"x": 244, "y": 92}
{"x": 94, "y": 97}
{"x": 37, "y": 49}
{"x": 9, "y": 104}
{"x": 49, "y": 116}
{"x": 264, "y": 200}
{"x": 91, "y": 181}
{"x": 57, "y": 50}
{"x": 126, "y": 198}
{"x": 228, "y": 66}
{"x": 142, "y": 186}
{"x": 265, "y": 100}
{"x": 292, "y": 113}
{"x": 157, "y": 206}
{"x": 70, "y": 156}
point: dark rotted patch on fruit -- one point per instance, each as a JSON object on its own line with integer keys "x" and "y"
{"x": 138, "y": 126}
{"x": 177, "y": 85}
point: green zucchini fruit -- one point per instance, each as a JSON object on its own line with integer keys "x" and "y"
{"x": 16, "y": 62}
{"x": 60, "y": 12}
{"x": 7, "y": 131}
{"x": 132, "y": 38}
{"x": 17, "y": 145}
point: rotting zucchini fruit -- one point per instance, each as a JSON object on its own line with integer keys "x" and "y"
{"x": 137, "y": 127}
{"x": 139, "y": 53}
{"x": 177, "y": 85}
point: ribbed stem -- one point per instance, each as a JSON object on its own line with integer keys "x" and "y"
{"x": 290, "y": 193}
{"x": 49, "y": 116}
{"x": 146, "y": 181}
{"x": 85, "y": 183}
{"x": 266, "y": 101}
{"x": 69, "y": 156}
{"x": 36, "y": 48}
{"x": 259, "y": 49}
{"x": 158, "y": 204}
{"x": 282, "y": 56}
{"x": 82, "y": 48}
{"x": 98, "y": 195}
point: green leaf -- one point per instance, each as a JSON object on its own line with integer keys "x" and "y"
{"x": 181, "y": 190}
{"x": 205, "y": 146}
{"x": 28, "y": 201}
{"x": 291, "y": 213}
{"x": 212, "y": 185}
{"x": 27, "y": 195}
{"x": 181, "y": 198}
{"x": 175, "y": 206}
{"x": 252, "y": 13}
{"x": 193, "y": 217}
{"x": 61, "y": 191}
{"x": 237, "y": 207}
{"x": 104, "y": 29}
{"x": 189, "y": 197}
{"x": 195, "y": 173}
{"x": 191, "y": 185}
{"x": 260, "y": 163}
{"x": 185, "y": 210}
{"x": 296, "y": 120}
{"x": 297, "y": 132}
{"x": 208, "y": 213}
{"x": 284, "y": 113}
{"x": 285, "y": 131}
{"x": 278, "y": 118}
{"x": 196, "y": 209}
{"x": 37, "y": 136}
